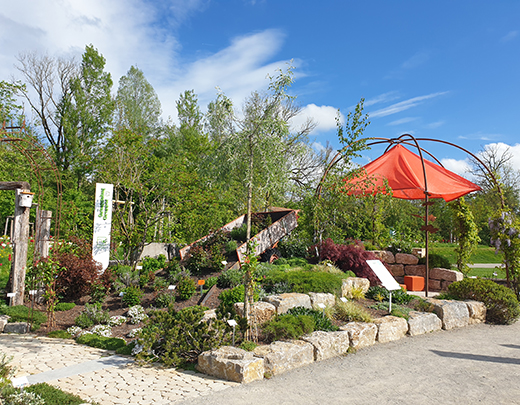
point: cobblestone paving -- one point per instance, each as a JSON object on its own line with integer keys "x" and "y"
{"x": 120, "y": 384}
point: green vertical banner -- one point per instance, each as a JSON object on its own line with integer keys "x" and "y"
{"x": 102, "y": 224}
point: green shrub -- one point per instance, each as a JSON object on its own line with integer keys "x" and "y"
{"x": 302, "y": 281}
{"x": 292, "y": 246}
{"x": 151, "y": 264}
{"x": 101, "y": 342}
{"x": 321, "y": 322}
{"x": 351, "y": 312}
{"x": 98, "y": 292}
{"x": 126, "y": 275}
{"x": 186, "y": 288}
{"x": 160, "y": 283}
{"x": 132, "y": 296}
{"x": 240, "y": 233}
{"x": 175, "y": 338}
{"x": 54, "y": 396}
{"x": 400, "y": 246}
{"x": 64, "y": 306}
{"x": 230, "y": 278}
{"x": 248, "y": 345}
{"x": 379, "y": 293}
{"x": 210, "y": 282}
{"x": 164, "y": 299}
{"x": 21, "y": 313}
{"x": 397, "y": 310}
{"x": 231, "y": 246}
{"x": 501, "y": 303}
{"x": 288, "y": 326}
{"x": 92, "y": 315}
{"x": 228, "y": 298}
{"x": 126, "y": 350}
{"x": 83, "y": 321}
{"x": 436, "y": 260}
{"x": 60, "y": 334}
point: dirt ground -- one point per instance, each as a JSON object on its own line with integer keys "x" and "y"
{"x": 479, "y": 364}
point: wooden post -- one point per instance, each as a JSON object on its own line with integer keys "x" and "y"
{"x": 43, "y": 234}
{"x": 20, "y": 245}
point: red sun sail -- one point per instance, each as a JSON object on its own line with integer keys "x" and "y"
{"x": 404, "y": 174}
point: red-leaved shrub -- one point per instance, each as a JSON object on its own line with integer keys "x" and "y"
{"x": 79, "y": 270}
{"x": 351, "y": 257}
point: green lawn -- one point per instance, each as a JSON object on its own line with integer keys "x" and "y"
{"x": 488, "y": 273}
{"x": 483, "y": 254}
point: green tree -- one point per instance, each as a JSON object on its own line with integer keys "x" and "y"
{"x": 137, "y": 105}
{"x": 466, "y": 232}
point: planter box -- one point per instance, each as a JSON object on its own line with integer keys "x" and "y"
{"x": 414, "y": 283}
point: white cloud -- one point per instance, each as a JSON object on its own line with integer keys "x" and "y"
{"x": 509, "y": 36}
{"x": 404, "y": 105}
{"x": 433, "y": 125}
{"x": 460, "y": 167}
{"x": 416, "y": 60}
{"x": 402, "y": 121}
{"x": 324, "y": 116}
{"x": 382, "y": 98}
{"x": 513, "y": 150}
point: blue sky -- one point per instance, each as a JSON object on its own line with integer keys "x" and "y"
{"x": 445, "y": 70}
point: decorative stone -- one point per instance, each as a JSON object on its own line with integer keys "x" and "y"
{"x": 328, "y": 344}
{"x": 434, "y": 285}
{"x": 419, "y": 252}
{"x": 415, "y": 270}
{"x": 405, "y": 258}
{"x": 477, "y": 311}
{"x": 390, "y": 328}
{"x": 384, "y": 256}
{"x": 439, "y": 273}
{"x": 232, "y": 364}
{"x": 329, "y": 300}
{"x": 397, "y": 270}
{"x": 361, "y": 334}
{"x": 284, "y": 302}
{"x": 354, "y": 282}
{"x": 209, "y": 314}
{"x": 420, "y": 323}
{"x": 260, "y": 311}
{"x": 453, "y": 314}
{"x": 3, "y": 321}
{"x": 16, "y": 327}
{"x": 283, "y": 356}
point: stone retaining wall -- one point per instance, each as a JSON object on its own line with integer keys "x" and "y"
{"x": 238, "y": 365}
{"x": 402, "y": 264}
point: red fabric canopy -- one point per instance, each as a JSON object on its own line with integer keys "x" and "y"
{"x": 403, "y": 171}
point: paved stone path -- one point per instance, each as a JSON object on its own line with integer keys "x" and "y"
{"x": 97, "y": 375}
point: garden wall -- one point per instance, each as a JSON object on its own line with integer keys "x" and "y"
{"x": 402, "y": 264}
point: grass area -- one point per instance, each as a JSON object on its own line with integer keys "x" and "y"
{"x": 483, "y": 254}
{"x": 488, "y": 273}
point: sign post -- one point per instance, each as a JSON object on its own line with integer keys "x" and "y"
{"x": 102, "y": 224}
{"x": 385, "y": 277}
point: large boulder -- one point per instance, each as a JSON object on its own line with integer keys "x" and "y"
{"x": 284, "y": 302}
{"x": 232, "y": 364}
{"x": 361, "y": 334}
{"x": 328, "y": 344}
{"x": 390, "y": 328}
{"x": 329, "y": 300}
{"x": 261, "y": 311}
{"x": 17, "y": 327}
{"x": 3, "y": 321}
{"x": 453, "y": 314}
{"x": 351, "y": 283}
{"x": 477, "y": 311}
{"x": 397, "y": 270}
{"x": 405, "y": 258}
{"x": 423, "y": 322}
{"x": 384, "y": 255}
{"x": 283, "y": 356}
{"x": 438, "y": 273}
{"x": 415, "y": 270}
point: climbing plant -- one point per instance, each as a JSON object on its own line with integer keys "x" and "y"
{"x": 466, "y": 231}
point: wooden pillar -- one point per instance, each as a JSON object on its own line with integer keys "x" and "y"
{"x": 43, "y": 234}
{"x": 20, "y": 244}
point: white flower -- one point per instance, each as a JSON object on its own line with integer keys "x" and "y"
{"x": 74, "y": 330}
{"x": 134, "y": 332}
{"x": 117, "y": 320}
{"x": 138, "y": 348}
{"x": 102, "y": 330}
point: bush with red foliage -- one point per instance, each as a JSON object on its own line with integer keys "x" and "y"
{"x": 79, "y": 270}
{"x": 351, "y": 257}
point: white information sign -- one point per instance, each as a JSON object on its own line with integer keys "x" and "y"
{"x": 384, "y": 275}
{"x": 102, "y": 224}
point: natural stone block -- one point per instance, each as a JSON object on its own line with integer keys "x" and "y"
{"x": 209, "y": 314}
{"x": 384, "y": 256}
{"x": 328, "y": 344}
{"x": 415, "y": 270}
{"x": 434, "y": 285}
{"x": 3, "y": 321}
{"x": 16, "y": 327}
{"x": 423, "y": 322}
{"x": 354, "y": 282}
{"x": 390, "y": 328}
{"x": 261, "y": 311}
{"x": 284, "y": 302}
{"x": 477, "y": 311}
{"x": 445, "y": 284}
{"x": 405, "y": 258}
{"x": 283, "y": 356}
{"x": 329, "y": 300}
{"x": 397, "y": 270}
{"x": 232, "y": 364}
{"x": 453, "y": 314}
{"x": 439, "y": 273}
{"x": 361, "y": 334}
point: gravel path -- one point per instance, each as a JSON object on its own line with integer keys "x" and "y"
{"x": 479, "y": 364}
